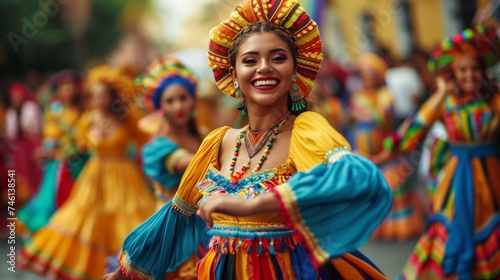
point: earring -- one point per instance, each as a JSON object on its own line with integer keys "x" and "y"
{"x": 296, "y": 96}
{"x": 242, "y": 107}
{"x": 237, "y": 93}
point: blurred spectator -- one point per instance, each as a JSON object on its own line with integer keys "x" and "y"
{"x": 407, "y": 90}
{"x": 324, "y": 97}
{"x": 418, "y": 60}
{"x": 372, "y": 109}
{"x": 23, "y": 121}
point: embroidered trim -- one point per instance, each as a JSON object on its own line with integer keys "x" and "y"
{"x": 173, "y": 158}
{"x": 336, "y": 154}
{"x": 250, "y": 230}
{"x": 259, "y": 246}
{"x": 249, "y": 187}
{"x": 215, "y": 176}
{"x": 130, "y": 271}
{"x": 40, "y": 263}
{"x": 183, "y": 207}
{"x": 291, "y": 214}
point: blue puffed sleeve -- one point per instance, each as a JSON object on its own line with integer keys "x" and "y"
{"x": 172, "y": 235}
{"x": 336, "y": 206}
{"x": 154, "y": 155}
{"x": 158, "y": 251}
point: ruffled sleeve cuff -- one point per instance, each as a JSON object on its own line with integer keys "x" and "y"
{"x": 335, "y": 206}
{"x": 408, "y": 136}
{"x": 163, "y": 242}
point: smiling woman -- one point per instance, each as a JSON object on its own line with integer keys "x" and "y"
{"x": 268, "y": 56}
{"x": 283, "y": 196}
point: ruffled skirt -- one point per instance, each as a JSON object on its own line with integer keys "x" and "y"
{"x": 462, "y": 240}
{"x": 109, "y": 199}
{"x": 274, "y": 254}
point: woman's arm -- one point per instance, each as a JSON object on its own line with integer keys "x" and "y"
{"x": 230, "y": 205}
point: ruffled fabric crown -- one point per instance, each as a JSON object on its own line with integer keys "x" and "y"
{"x": 161, "y": 74}
{"x": 115, "y": 78}
{"x": 287, "y": 13}
{"x": 374, "y": 63}
{"x": 478, "y": 42}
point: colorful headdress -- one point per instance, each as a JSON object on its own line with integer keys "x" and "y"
{"x": 287, "y": 13}
{"x": 113, "y": 77}
{"x": 161, "y": 74}
{"x": 479, "y": 42}
{"x": 373, "y": 62}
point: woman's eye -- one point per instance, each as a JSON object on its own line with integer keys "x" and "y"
{"x": 249, "y": 61}
{"x": 279, "y": 58}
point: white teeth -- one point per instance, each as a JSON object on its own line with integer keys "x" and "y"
{"x": 265, "y": 83}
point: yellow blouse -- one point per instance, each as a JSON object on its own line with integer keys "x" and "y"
{"x": 312, "y": 137}
{"x": 113, "y": 142}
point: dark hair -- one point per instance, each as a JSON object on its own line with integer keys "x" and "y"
{"x": 193, "y": 128}
{"x": 260, "y": 27}
{"x": 117, "y": 105}
{"x": 69, "y": 76}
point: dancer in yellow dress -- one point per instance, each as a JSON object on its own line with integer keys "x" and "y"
{"x": 110, "y": 197}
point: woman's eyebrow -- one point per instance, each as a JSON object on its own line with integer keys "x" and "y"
{"x": 271, "y": 51}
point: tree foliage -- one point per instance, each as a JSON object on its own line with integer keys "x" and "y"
{"x": 36, "y": 36}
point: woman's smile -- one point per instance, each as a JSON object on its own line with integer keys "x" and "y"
{"x": 265, "y": 83}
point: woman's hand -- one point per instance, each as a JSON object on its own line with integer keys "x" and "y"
{"x": 445, "y": 85}
{"x": 381, "y": 157}
{"x": 117, "y": 275}
{"x": 225, "y": 204}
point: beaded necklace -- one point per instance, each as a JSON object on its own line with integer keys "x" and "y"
{"x": 236, "y": 176}
{"x": 255, "y": 139}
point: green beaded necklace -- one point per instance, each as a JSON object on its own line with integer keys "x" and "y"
{"x": 236, "y": 176}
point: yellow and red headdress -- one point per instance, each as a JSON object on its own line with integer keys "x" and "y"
{"x": 374, "y": 63}
{"x": 287, "y": 13}
{"x": 113, "y": 77}
{"x": 479, "y": 42}
{"x": 161, "y": 74}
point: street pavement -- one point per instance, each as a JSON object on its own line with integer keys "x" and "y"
{"x": 390, "y": 257}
